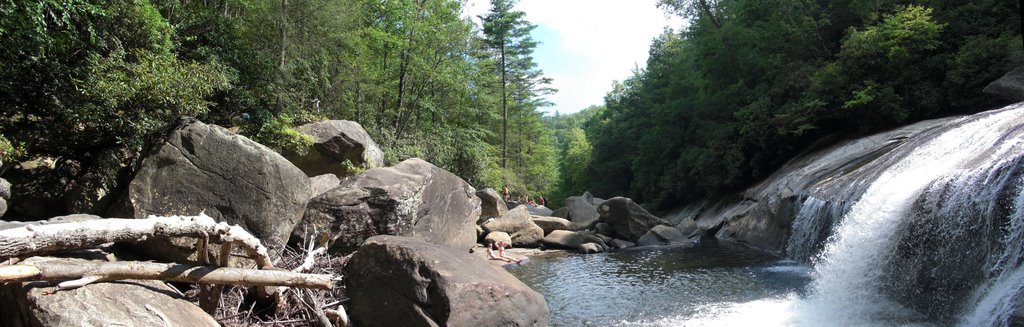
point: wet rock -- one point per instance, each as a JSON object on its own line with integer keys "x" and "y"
{"x": 627, "y": 219}
{"x": 561, "y": 239}
{"x": 662, "y": 235}
{"x": 401, "y": 281}
{"x": 589, "y": 248}
{"x": 620, "y": 244}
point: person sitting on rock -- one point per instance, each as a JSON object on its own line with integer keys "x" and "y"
{"x": 499, "y": 247}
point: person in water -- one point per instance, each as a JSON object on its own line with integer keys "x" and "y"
{"x": 496, "y": 251}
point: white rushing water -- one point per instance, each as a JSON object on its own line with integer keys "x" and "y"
{"x": 997, "y": 299}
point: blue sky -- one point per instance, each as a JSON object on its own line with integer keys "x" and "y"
{"x": 585, "y": 45}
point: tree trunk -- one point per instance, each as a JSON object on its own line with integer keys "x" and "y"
{"x": 56, "y": 270}
{"x": 504, "y": 109}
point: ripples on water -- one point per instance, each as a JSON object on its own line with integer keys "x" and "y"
{"x": 669, "y": 286}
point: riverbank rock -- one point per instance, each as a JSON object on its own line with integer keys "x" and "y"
{"x": 582, "y": 210}
{"x": 662, "y": 235}
{"x": 1009, "y": 87}
{"x": 620, "y": 244}
{"x": 561, "y": 239}
{"x": 414, "y": 198}
{"x": 401, "y": 281}
{"x": 5, "y": 194}
{"x": 495, "y": 237}
{"x": 590, "y": 248}
{"x": 491, "y": 204}
{"x": 121, "y": 303}
{"x": 519, "y": 225}
{"x": 206, "y": 168}
{"x": 562, "y": 212}
{"x": 549, "y": 224}
{"x": 539, "y": 210}
{"x": 335, "y": 142}
{"x": 627, "y": 219}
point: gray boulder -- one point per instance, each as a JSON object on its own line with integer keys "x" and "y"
{"x": 122, "y": 303}
{"x": 320, "y": 184}
{"x": 495, "y": 237}
{"x": 561, "y": 239}
{"x": 582, "y": 210}
{"x": 662, "y": 235}
{"x": 414, "y": 198}
{"x": 539, "y": 210}
{"x": 206, "y": 168}
{"x": 334, "y": 142}
{"x": 620, "y": 244}
{"x": 591, "y": 237}
{"x": 562, "y": 212}
{"x": 603, "y": 228}
{"x": 627, "y": 219}
{"x": 589, "y": 248}
{"x": 5, "y": 189}
{"x": 549, "y": 224}
{"x": 401, "y": 281}
{"x": 491, "y": 204}
{"x": 1009, "y": 87}
{"x": 518, "y": 224}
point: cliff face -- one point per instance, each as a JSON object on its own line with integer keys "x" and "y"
{"x": 832, "y": 177}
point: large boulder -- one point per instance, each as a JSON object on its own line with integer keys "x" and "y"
{"x": 1009, "y": 87}
{"x": 562, "y": 212}
{"x": 539, "y": 210}
{"x": 662, "y": 235}
{"x": 334, "y": 143}
{"x": 497, "y": 237}
{"x": 5, "y": 194}
{"x": 562, "y": 239}
{"x": 491, "y": 204}
{"x": 121, "y": 303}
{"x": 414, "y": 198}
{"x": 582, "y": 210}
{"x": 627, "y": 219}
{"x": 518, "y": 224}
{"x": 320, "y": 184}
{"x": 549, "y": 224}
{"x": 401, "y": 281}
{"x": 206, "y": 168}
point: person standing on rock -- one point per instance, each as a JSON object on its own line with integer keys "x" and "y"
{"x": 504, "y": 193}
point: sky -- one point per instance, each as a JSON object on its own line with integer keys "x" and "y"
{"x": 585, "y": 45}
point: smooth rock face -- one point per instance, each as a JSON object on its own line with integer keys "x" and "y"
{"x": 121, "y": 303}
{"x": 1009, "y": 87}
{"x": 414, "y": 198}
{"x": 320, "y": 184}
{"x": 588, "y": 248}
{"x": 620, "y": 244}
{"x": 491, "y": 204}
{"x": 401, "y": 281}
{"x": 539, "y": 210}
{"x": 762, "y": 216}
{"x": 582, "y": 210}
{"x": 661, "y": 235}
{"x": 549, "y": 224}
{"x": 562, "y": 239}
{"x": 562, "y": 212}
{"x": 518, "y": 224}
{"x": 206, "y": 168}
{"x": 627, "y": 219}
{"x": 334, "y": 142}
{"x": 495, "y": 237}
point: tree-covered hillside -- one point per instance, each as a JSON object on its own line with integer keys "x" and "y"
{"x": 749, "y": 83}
{"x": 81, "y": 76}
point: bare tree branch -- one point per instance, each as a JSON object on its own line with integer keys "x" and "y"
{"x": 86, "y": 272}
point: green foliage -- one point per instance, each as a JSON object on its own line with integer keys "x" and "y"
{"x": 10, "y": 151}
{"x": 748, "y": 84}
{"x": 278, "y": 133}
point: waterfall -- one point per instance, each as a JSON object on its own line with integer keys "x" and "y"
{"x": 867, "y": 272}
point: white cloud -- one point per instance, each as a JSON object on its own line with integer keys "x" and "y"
{"x": 606, "y": 38}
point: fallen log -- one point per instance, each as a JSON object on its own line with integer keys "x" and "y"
{"x": 174, "y": 272}
{"x": 39, "y": 239}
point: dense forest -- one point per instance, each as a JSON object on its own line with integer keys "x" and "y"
{"x": 741, "y": 88}
{"x": 750, "y": 83}
{"x": 80, "y": 77}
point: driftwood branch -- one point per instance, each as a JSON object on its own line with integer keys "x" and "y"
{"x": 95, "y": 271}
{"x": 39, "y": 239}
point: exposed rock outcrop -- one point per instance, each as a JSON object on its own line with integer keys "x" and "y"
{"x": 206, "y": 168}
{"x": 400, "y": 281}
{"x": 662, "y": 235}
{"x": 496, "y": 237}
{"x": 334, "y": 142}
{"x": 1009, "y": 87}
{"x": 320, "y": 184}
{"x": 518, "y": 224}
{"x": 582, "y": 210}
{"x": 549, "y": 224}
{"x": 627, "y": 219}
{"x": 561, "y": 239}
{"x": 539, "y": 210}
{"x": 414, "y": 198}
{"x": 491, "y": 204}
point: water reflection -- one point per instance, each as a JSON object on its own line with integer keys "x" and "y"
{"x": 649, "y": 285}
